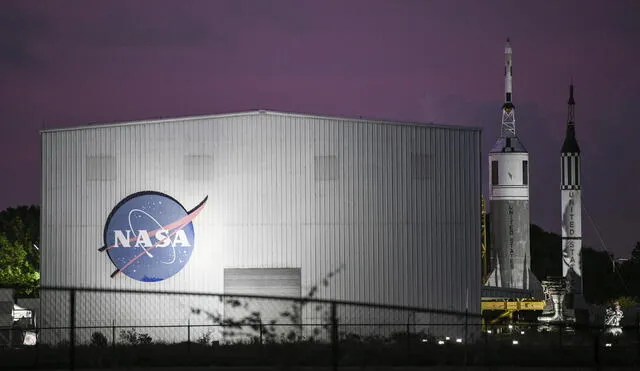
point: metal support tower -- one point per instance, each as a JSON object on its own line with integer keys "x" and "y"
{"x": 483, "y": 243}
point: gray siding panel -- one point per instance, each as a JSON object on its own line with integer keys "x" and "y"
{"x": 396, "y": 239}
{"x": 7, "y": 295}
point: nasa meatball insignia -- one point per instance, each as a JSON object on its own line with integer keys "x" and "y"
{"x": 149, "y": 236}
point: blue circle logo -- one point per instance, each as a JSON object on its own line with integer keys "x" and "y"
{"x": 149, "y": 236}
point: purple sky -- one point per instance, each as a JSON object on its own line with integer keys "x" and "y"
{"x": 68, "y": 63}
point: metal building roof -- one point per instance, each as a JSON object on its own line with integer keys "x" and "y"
{"x": 263, "y": 112}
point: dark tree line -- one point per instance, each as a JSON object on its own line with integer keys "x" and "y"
{"x": 604, "y": 279}
{"x": 19, "y": 249}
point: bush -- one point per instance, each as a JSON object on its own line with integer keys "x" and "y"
{"x": 205, "y": 339}
{"x": 99, "y": 340}
{"x": 132, "y": 337}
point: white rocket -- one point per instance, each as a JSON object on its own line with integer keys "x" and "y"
{"x": 571, "y": 205}
{"x": 509, "y": 198}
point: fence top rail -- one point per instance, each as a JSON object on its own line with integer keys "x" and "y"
{"x": 277, "y": 298}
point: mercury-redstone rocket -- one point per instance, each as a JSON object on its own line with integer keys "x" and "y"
{"x": 509, "y": 199}
{"x": 564, "y": 295}
{"x": 571, "y": 209}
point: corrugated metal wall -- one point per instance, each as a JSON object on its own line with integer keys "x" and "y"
{"x": 395, "y": 207}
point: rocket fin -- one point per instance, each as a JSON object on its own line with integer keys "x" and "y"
{"x": 535, "y": 286}
{"x": 494, "y": 278}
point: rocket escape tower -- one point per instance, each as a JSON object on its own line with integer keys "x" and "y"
{"x": 508, "y": 128}
{"x": 508, "y": 141}
{"x": 509, "y": 199}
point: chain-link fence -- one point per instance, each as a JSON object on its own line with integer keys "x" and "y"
{"x": 92, "y": 328}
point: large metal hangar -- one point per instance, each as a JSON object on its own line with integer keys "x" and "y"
{"x": 258, "y": 202}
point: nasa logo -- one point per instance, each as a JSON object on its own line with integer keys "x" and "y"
{"x": 149, "y": 236}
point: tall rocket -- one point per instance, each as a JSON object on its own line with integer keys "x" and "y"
{"x": 571, "y": 205}
{"x": 509, "y": 198}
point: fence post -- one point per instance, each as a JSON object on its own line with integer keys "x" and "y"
{"x": 466, "y": 335}
{"x": 408, "y": 339}
{"x": 113, "y": 342}
{"x": 334, "y": 337}
{"x": 188, "y": 335}
{"x": 596, "y": 350}
{"x": 637, "y": 329}
{"x": 38, "y": 337}
{"x": 72, "y": 332}
{"x": 261, "y": 332}
{"x": 561, "y": 326}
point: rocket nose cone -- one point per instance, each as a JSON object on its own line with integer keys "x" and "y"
{"x": 571, "y": 100}
{"x": 507, "y": 47}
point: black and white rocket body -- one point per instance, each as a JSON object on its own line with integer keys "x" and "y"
{"x": 571, "y": 199}
{"x": 509, "y": 200}
{"x": 564, "y": 295}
